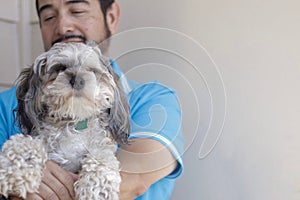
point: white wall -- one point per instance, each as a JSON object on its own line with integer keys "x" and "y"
{"x": 248, "y": 48}
{"x": 9, "y": 42}
{"x": 255, "y": 45}
{"x": 20, "y": 39}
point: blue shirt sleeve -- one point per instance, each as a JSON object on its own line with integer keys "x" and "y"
{"x": 8, "y": 103}
{"x": 156, "y": 114}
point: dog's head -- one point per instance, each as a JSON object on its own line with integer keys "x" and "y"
{"x": 70, "y": 83}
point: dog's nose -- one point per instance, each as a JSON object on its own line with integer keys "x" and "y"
{"x": 77, "y": 82}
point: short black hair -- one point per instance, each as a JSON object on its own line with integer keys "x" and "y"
{"x": 104, "y": 4}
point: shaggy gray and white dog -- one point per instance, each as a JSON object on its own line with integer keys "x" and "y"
{"x": 71, "y": 110}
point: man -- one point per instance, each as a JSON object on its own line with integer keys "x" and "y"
{"x": 151, "y": 163}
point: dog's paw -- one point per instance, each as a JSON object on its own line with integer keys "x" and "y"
{"x": 22, "y": 161}
{"x": 98, "y": 181}
{"x": 92, "y": 187}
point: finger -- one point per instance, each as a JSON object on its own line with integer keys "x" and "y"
{"x": 30, "y": 196}
{"x": 54, "y": 187}
{"x": 33, "y": 196}
{"x": 47, "y": 193}
{"x": 65, "y": 178}
{"x": 57, "y": 184}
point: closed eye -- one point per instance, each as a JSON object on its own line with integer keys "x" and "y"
{"x": 47, "y": 13}
{"x": 78, "y": 12}
{"x": 48, "y": 18}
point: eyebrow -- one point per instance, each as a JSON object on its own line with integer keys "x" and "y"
{"x": 49, "y": 6}
{"x": 44, "y": 7}
{"x": 78, "y": 1}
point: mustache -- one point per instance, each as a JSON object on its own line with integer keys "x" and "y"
{"x": 66, "y": 37}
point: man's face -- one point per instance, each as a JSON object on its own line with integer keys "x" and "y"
{"x": 71, "y": 21}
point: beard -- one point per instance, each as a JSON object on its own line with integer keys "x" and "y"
{"x": 104, "y": 45}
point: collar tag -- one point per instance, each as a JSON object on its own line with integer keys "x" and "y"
{"x": 81, "y": 125}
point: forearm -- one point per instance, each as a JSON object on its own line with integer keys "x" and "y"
{"x": 143, "y": 163}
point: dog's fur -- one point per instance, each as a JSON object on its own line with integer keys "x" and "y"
{"x": 68, "y": 84}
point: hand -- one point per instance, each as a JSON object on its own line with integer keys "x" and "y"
{"x": 57, "y": 184}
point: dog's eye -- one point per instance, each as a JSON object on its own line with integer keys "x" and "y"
{"x": 58, "y": 68}
{"x": 52, "y": 76}
{"x": 55, "y": 70}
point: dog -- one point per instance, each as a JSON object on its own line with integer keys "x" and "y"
{"x": 71, "y": 110}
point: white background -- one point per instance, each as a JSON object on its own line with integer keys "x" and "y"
{"x": 255, "y": 45}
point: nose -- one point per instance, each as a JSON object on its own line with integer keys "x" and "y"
{"x": 64, "y": 25}
{"x": 77, "y": 82}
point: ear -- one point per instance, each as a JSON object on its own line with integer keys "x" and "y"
{"x": 28, "y": 93}
{"x": 113, "y": 17}
{"x": 119, "y": 116}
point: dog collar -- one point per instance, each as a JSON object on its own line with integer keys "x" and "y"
{"x": 81, "y": 125}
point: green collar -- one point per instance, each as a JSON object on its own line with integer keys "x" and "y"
{"x": 82, "y": 125}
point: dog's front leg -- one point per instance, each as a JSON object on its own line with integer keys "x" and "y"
{"x": 99, "y": 178}
{"x": 22, "y": 161}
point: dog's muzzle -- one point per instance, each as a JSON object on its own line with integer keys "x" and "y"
{"x": 77, "y": 82}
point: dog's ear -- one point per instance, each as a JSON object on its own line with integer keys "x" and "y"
{"x": 29, "y": 110}
{"x": 119, "y": 113}
{"x": 119, "y": 116}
